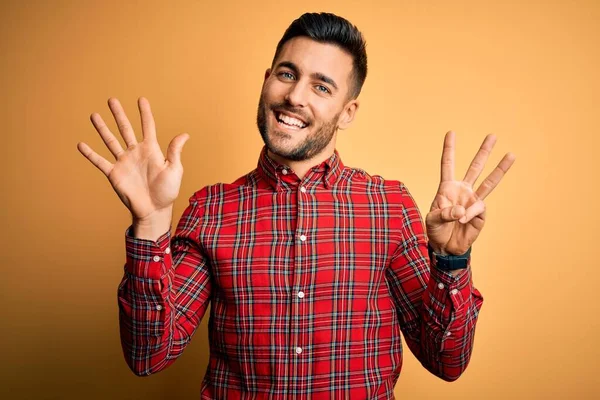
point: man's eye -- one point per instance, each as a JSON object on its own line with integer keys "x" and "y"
{"x": 323, "y": 89}
{"x": 287, "y": 75}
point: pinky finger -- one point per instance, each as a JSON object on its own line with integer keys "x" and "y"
{"x": 474, "y": 210}
{"x": 100, "y": 162}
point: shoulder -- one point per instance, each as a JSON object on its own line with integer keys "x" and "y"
{"x": 219, "y": 193}
{"x": 358, "y": 177}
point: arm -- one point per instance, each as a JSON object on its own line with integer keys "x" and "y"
{"x": 438, "y": 310}
{"x": 438, "y": 326}
{"x": 159, "y": 308}
{"x": 164, "y": 294}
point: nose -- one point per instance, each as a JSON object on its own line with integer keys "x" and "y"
{"x": 296, "y": 95}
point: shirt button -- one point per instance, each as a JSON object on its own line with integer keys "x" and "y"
{"x": 454, "y": 291}
{"x": 156, "y": 258}
{"x": 284, "y": 171}
{"x": 448, "y": 333}
{"x": 298, "y": 350}
{"x": 303, "y": 238}
{"x": 302, "y": 189}
{"x": 441, "y": 285}
{"x": 167, "y": 250}
{"x": 301, "y": 294}
{"x": 158, "y": 307}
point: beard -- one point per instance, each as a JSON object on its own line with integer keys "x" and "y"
{"x": 312, "y": 144}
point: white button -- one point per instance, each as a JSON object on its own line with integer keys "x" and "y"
{"x": 167, "y": 250}
{"x": 303, "y": 238}
{"x": 298, "y": 350}
{"x": 448, "y": 333}
{"x": 454, "y": 291}
{"x": 156, "y": 258}
{"x": 302, "y": 189}
{"x": 441, "y": 285}
{"x": 284, "y": 171}
{"x": 301, "y": 294}
{"x": 158, "y": 307}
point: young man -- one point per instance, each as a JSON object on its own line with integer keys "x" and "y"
{"x": 312, "y": 268}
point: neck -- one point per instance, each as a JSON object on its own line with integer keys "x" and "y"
{"x": 300, "y": 168}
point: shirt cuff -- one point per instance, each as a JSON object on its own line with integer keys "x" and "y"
{"x": 147, "y": 258}
{"x": 459, "y": 287}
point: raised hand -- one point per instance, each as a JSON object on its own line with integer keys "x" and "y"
{"x": 144, "y": 180}
{"x": 457, "y": 213}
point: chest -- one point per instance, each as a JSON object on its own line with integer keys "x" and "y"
{"x": 271, "y": 243}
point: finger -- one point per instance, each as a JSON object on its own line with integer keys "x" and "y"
{"x": 101, "y": 163}
{"x": 107, "y": 136}
{"x": 480, "y": 159}
{"x": 495, "y": 176}
{"x": 474, "y": 210}
{"x": 443, "y": 215}
{"x": 122, "y": 121}
{"x": 175, "y": 148}
{"x": 148, "y": 126}
{"x": 447, "y": 170}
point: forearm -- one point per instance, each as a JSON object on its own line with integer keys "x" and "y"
{"x": 450, "y": 309}
{"x": 144, "y": 311}
{"x": 163, "y": 295}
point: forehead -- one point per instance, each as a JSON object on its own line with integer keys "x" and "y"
{"x": 314, "y": 57}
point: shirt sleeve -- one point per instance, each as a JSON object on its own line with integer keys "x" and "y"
{"x": 438, "y": 312}
{"x": 164, "y": 293}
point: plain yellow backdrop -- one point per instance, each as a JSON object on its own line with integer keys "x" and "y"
{"x": 525, "y": 71}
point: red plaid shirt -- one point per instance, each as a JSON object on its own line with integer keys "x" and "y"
{"x": 310, "y": 283}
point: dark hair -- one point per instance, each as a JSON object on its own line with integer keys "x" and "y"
{"x": 330, "y": 28}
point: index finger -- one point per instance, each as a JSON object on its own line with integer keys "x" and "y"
{"x": 447, "y": 168}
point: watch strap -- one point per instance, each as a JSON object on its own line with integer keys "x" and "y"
{"x": 449, "y": 262}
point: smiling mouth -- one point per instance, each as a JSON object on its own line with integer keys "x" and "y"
{"x": 289, "y": 122}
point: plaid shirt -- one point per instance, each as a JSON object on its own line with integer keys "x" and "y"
{"x": 310, "y": 283}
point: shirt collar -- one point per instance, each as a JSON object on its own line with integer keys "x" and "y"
{"x": 277, "y": 175}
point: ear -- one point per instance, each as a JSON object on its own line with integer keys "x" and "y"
{"x": 267, "y": 73}
{"x": 347, "y": 116}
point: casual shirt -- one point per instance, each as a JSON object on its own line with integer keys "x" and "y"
{"x": 310, "y": 282}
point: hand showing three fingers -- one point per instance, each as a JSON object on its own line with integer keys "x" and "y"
{"x": 144, "y": 180}
{"x": 457, "y": 213}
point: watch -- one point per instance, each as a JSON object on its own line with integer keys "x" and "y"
{"x": 449, "y": 262}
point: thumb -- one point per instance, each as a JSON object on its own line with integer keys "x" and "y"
{"x": 175, "y": 148}
{"x": 443, "y": 215}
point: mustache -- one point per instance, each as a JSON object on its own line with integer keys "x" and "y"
{"x": 290, "y": 109}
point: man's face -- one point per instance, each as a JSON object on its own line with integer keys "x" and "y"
{"x": 304, "y": 99}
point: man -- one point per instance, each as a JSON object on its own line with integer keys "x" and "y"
{"x": 312, "y": 268}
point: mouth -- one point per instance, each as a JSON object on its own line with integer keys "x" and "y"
{"x": 289, "y": 121}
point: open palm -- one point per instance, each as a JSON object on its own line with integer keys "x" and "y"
{"x": 457, "y": 214}
{"x": 145, "y": 181}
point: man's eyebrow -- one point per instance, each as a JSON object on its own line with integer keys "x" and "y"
{"x": 315, "y": 75}
{"x": 324, "y": 78}
{"x": 288, "y": 64}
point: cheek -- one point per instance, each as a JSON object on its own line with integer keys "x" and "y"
{"x": 325, "y": 113}
{"x": 273, "y": 89}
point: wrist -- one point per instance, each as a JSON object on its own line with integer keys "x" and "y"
{"x": 448, "y": 262}
{"x": 154, "y": 225}
{"x": 436, "y": 249}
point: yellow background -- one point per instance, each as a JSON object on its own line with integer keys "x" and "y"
{"x": 526, "y": 72}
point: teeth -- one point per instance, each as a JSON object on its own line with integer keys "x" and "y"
{"x": 291, "y": 121}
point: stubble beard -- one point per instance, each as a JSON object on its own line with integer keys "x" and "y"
{"x": 312, "y": 145}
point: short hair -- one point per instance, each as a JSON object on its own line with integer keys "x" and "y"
{"x": 332, "y": 29}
